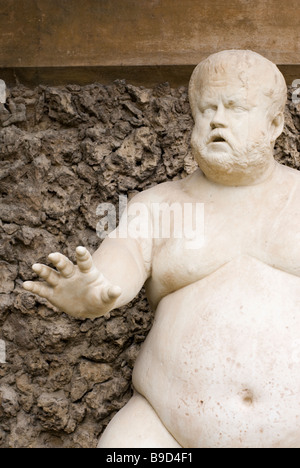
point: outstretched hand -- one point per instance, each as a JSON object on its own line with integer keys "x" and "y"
{"x": 79, "y": 290}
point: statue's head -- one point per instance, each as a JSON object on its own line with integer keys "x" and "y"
{"x": 237, "y": 99}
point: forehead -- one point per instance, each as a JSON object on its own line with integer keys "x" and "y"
{"x": 230, "y": 86}
{"x": 234, "y": 80}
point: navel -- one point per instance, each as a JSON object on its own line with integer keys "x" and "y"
{"x": 247, "y": 397}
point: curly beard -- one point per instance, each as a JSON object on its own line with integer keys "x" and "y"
{"x": 237, "y": 166}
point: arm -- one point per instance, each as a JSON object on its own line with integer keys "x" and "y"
{"x": 122, "y": 262}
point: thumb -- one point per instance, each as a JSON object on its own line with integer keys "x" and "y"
{"x": 110, "y": 293}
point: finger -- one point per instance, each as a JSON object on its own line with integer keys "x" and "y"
{"x": 110, "y": 293}
{"x": 47, "y": 274}
{"x": 84, "y": 260}
{"x": 41, "y": 289}
{"x": 63, "y": 264}
{"x": 114, "y": 292}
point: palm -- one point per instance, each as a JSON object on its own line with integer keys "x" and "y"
{"x": 81, "y": 291}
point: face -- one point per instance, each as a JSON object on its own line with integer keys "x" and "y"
{"x": 233, "y": 131}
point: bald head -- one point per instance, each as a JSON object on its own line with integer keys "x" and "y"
{"x": 254, "y": 72}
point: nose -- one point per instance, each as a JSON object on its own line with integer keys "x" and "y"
{"x": 219, "y": 118}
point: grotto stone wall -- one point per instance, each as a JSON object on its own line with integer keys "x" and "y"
{"x": 63, "y": 151}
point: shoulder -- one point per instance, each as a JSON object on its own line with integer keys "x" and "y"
{"x": 287, "y": 192}
{"x": 289, "y": 177}
{"x": 165, "y": 191}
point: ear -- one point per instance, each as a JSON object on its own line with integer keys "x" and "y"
{"x": 277, "y": 125}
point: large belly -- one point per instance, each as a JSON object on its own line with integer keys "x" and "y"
{"x": 221, "y": 365}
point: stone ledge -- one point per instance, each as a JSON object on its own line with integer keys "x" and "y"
{"x": 148, "y": 76}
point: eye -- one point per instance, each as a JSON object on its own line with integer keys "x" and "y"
{"x": 239, "y": 109}
{"x": 208, "y": 109}
{"x": 236, "y": 107}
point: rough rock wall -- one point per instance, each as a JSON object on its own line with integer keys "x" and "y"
{"x": 62, "y": 152}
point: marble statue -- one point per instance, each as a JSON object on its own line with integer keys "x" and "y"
{"x": 221, "y": 364}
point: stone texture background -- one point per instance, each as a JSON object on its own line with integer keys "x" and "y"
{"x": 62, "y": 152}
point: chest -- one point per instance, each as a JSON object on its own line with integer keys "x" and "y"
{"x": 266, "y": 233}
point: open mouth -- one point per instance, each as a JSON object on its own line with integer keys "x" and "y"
{"x": 218, "y": 139}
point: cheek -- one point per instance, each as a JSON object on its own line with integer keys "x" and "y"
{"x": 197, "y": 137}
{"x": 200, "y": 129}
{"x": 251, "y": 128}
{"x": 194, "y": 138}
{"x": 259, "y": 130}
{"x": 197, "y": 142}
